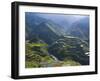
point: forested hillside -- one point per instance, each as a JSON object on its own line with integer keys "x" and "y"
{"x": 50, "y": 44}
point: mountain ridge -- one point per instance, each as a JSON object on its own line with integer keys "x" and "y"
{"x": 47, "y": 42}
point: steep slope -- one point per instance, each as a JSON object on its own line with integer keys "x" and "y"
{"x": 44, "y": 29}
{"x": 48, "y": 46}
{"x": 70, "y": 48}
{"x": 80, "y": 29}
{"x": 31, "y": 22}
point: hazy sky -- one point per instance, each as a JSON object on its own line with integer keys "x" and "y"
{"x": 65, "y": 20}
{"x": 62, "y": 17}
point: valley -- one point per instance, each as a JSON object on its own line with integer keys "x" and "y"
{"x": 49, "y": 45}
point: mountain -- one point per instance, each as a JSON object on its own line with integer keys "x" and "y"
{"x": 63, "y": 20}
{"x": 70, "y": 48}
{"x": 31, "y": 22}
{"x": 36, "y": 54}
{"x": 42, "y": 28}
{"x": 48, "y": 45}
{"x": 80, "y": 29}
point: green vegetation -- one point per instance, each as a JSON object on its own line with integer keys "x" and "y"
{"x": 36, "y": 55}
{"x": 54, "y": 42}
{"x": 72, "y": 49}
